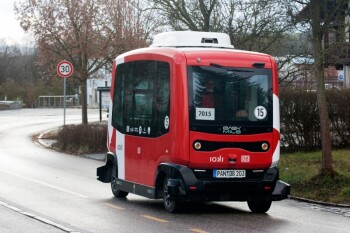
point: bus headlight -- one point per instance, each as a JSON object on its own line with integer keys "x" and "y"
{"x": 265, "y": 146}
{"x": 197, "y": 145}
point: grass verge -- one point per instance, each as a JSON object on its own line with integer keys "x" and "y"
{"x": 301, "y": 171}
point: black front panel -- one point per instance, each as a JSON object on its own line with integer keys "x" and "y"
{"x": 248, "y": 146}
{"x": 229, "y": 100}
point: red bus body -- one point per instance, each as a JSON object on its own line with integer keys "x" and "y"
{"x": 143, "y": 162}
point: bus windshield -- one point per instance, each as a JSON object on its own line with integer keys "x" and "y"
{"x": 230, "y": 100}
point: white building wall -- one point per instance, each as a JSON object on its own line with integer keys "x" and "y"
{"x": 101, "y": 79}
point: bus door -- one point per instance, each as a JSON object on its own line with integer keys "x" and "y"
{"x": 146, "y": 109}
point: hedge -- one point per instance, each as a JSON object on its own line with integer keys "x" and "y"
{"x": 300, "y": 126}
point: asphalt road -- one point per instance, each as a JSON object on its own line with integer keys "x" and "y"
{"x": 46, "y": 191}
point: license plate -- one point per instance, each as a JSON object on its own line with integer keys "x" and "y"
{"x": 229, "y": 173}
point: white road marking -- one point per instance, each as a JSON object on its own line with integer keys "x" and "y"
{"x": 38, "y": 218}
{"x": 44, "y": 184}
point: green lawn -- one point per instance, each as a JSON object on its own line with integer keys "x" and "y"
{"x": 301, "y": 171}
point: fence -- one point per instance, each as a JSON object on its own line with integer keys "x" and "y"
{"x": 56, "y": 101}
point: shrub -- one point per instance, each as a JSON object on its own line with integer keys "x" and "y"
{"x": 339, "y": 116}
{"x": 300, "y": 125}
{"x": 79, "y": 139}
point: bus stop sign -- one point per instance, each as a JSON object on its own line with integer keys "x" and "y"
{"x": 65, "y": 69}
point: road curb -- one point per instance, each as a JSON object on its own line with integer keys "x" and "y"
{"x": 319, "y": 202}
{"x": 42, "y": 140}
{"x": 38, "y": 218}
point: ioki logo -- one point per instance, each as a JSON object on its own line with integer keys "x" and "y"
{"x": 216, "y": 159}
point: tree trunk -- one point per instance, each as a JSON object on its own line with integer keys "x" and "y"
{"x": 84, "y": 102}
{"x": 326, "y": 166}
{"x": 324, "y": 119}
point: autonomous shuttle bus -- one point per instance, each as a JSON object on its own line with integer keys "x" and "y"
{"x": 193, "y": 119}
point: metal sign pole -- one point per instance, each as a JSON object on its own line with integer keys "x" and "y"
{"x": 64, "y": 69}
{"x": 64, "y": 101}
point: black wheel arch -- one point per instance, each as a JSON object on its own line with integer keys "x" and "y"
{"x": 182, "y": 174}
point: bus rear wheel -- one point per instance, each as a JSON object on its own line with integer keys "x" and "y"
{"x": 170, "y": 206}
{"x": 260, "y": 206}
{"x": 116, "y": 192}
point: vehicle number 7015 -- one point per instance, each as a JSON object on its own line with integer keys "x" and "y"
{"x": 205, "y": 114}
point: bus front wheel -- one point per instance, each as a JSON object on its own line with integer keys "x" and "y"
{"x": 116, "y": 192}
{"x": 170, "y": 206}
{"x": 260, "y": 206}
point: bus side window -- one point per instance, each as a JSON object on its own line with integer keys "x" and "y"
{"x": 162, "y": 101}
{"x": 142, "y": 98}
{"x": 144, "y": 72}
{"x": 118, "y": 98}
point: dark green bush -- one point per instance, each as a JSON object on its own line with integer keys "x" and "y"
{"x": 300, "y": 125}
{"x": 339, "y": 116}
{"x": 79, "y": 139}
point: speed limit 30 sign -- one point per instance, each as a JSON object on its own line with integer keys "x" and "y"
{"x": 65, "y": 69}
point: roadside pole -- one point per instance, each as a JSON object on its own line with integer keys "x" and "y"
{"x": 64, "y": 69}
{"x": 64, "y": 100}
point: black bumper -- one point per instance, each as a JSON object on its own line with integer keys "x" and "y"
{"x": 190, "y": 184}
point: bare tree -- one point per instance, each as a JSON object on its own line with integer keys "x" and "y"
{"x": 88, "y": 33}
{"x": 19, "y": 76}
{"x": 321, "y": 16}
{"x": 9, "y": 55}
{"x": 256, "y": 25}
{"x": 198, "y": 15}
{"x": 260, "y": 25}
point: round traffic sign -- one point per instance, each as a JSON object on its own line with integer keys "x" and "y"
{"x": 65, "y": 69}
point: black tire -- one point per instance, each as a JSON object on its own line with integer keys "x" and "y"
{"x": 259, "y": 206}
{"x": 116, "y": 192}
{"x": 170, "y": 206}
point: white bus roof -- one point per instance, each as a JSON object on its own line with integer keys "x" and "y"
{"x": 192, "y": 39}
